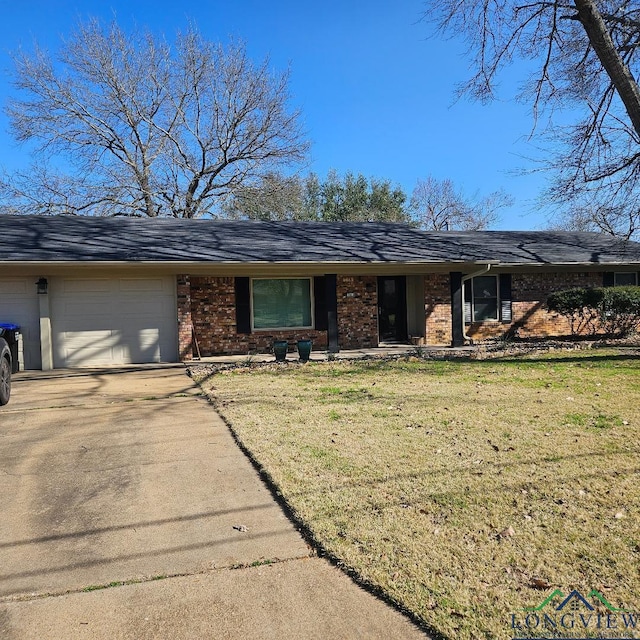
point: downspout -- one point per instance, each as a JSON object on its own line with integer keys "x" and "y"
{"x": 481, "y": 272}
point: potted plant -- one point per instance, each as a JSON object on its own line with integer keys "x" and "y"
{"x": 304, "y": 349}
{"x": 280, "y": 348}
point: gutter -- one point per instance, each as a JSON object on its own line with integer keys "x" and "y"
{"x": 475, "y": 274}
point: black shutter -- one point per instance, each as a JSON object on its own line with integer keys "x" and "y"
{"x": 243, "y": 306}
{"x": 608, "y": 279}
{"x": 505, "y": 297}
{"x": 320, "y": 303}
{"x": 467, "y": 301}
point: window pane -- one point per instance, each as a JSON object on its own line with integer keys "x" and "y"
{"x": 485, "y": 298}
{"x": 281, "y": 303}
{"x": 485, "y": 287}
{"x": 624, "y": 279}
{"x": 485, "y": 309}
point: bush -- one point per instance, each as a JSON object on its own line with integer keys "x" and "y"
{"x": 613, "y": 310}
{"x": 580, "y": 306}
{"x": 620, "y": 310}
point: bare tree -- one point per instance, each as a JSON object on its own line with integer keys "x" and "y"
{"x": 586, "y": 57}
{"x": 147, "y": 128}
{"x": 274, "y": 197}
{"x": 617, "y": 221}
{"x": 437, "y": 205}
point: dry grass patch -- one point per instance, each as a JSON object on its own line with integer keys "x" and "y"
{"x": 455, "y": 486}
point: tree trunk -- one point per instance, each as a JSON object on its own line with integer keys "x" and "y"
{"x": 600, "y": 39}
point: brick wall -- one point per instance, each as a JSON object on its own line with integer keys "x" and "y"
{"x": 213, "y": 313}
{"x": 208, "y": 304}
{"x": 185, "y": 333}
{"x": 357, "y": 312}
{"x": 530, "y": 318}
{"x": 437, "y": 305}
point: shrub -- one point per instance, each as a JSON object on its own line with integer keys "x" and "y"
{"x": 579, "y": 305}
{"x": 613, "y": 310}
{"x": 620, "y": 310}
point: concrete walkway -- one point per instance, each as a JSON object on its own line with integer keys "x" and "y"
{"x": 382, "y": 351}
{"x": 130, "y": 476}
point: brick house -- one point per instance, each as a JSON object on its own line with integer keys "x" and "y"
{"x": 104, "y": 291}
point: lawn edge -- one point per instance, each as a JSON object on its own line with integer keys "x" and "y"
{"x": 318, "y": 549}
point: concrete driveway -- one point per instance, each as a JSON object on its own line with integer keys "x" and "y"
{"x": 130, "y": 476}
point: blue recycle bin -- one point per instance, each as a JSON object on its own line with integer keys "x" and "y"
{"x": 10, "y": 333}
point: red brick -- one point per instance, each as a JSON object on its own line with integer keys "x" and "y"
{"x": 357, "y": 312}
{"x": 206, "y": 308}
{"x": 530, "y": 318}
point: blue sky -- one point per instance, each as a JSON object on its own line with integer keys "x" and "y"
{"x": 376, "y": 92}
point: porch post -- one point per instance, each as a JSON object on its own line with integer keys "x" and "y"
{"x": 331, "y": 292}
{"x": 46, "y": 342}
{"x": 457, "y": 307}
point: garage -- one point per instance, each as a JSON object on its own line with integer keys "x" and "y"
{"x": 19, "y": 305}
{"x": 113, "y": 321}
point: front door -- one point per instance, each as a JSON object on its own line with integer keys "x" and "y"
{"x": 392, "y": 308}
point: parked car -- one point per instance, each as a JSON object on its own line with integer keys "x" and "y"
{"x": 6, "y": 367}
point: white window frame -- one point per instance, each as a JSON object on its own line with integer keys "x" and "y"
{"x": 624, "y": 273}
{"x": 311, "y": 304}
{"x": 470, "y": 283}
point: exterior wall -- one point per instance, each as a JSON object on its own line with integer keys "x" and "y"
{"x": 530, "y": 318}
{"x": 208, "y": 304}
{"x": 357, "y": 312}
{"x": 213, "y": 313}
{"x": 437, "y": 308}
{"x": 185, "y": 326}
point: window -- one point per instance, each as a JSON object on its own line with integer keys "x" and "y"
{"x": 481, "y": 299}
{"x": 485, "y": 298}
{"x": 625, "y": 279}
{"x": 281, "y": 303}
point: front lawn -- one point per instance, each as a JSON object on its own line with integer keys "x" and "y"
{"x": 466, "y": 491}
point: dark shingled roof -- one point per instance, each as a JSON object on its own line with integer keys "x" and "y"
{"x": 91, "y": 240}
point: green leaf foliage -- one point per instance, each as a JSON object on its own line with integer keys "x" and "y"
{"x": 609, "y": 310}
{"x": 348, "y": 198}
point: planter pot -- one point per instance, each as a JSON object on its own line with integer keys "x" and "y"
{"x": 280, "y": 348}
{"x": 304, "y": 349}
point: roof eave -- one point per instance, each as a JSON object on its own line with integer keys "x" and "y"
{"x": 231, "y": 268}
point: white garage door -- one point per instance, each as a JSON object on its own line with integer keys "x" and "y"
{"x": 19, "y": 305}
{"x": 111, "y": 321}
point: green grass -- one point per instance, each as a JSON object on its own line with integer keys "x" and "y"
{"x": 122, "y": 583}
{"x": 455, "y": 486}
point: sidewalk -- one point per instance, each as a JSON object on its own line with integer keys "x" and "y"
{"x": 383, "y": 351}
